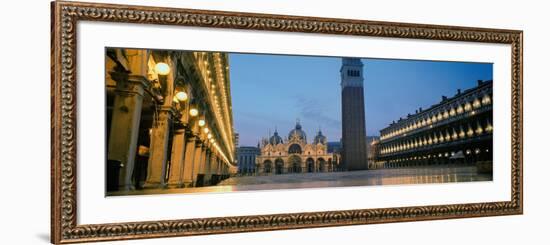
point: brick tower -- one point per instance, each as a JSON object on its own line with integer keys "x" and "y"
{"x": 354, "y": 145}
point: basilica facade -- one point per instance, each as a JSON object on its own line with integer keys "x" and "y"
{"x": 294, "y": 154}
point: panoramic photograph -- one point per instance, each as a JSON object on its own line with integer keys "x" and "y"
{"x": 185, "y": 121}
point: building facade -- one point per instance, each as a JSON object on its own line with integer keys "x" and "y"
{"x": 169, "y": 120}
{"x": 354, "y": 146}
{"x": 456, "y": 130}
{"x": 246, "y": 159}
{"x": 372, "y": 150}
{"x": 294, "y": 154}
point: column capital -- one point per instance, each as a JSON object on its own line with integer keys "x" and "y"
{"x": 166, "y": 109}
{"x": 179, "y": 131}
{"x": 131, "y": 84}
{"x": 189, "y": 136}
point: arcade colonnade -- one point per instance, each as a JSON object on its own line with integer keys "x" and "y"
{"x": 169, "y": 120}
{"x": 458, "y": 130}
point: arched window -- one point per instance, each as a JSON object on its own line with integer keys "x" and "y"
{"x": 295, "y": 148}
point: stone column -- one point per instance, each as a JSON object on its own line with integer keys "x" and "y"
{"x": 125, "y": 124}
{"x": 175, "y": 178}
{"x": 207, "y": 170}
{"x": 223, "y": 168}
{"x": 197, "y": 160}
{"x": 158, "y": 151}
{"x": 220, "y": 167}
{"x": 202, "y": 165}
{"x": 188, "y": 162}
{"x": 213, "y": 168}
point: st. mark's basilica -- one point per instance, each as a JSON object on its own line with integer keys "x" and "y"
{"x": 294, "y": 154}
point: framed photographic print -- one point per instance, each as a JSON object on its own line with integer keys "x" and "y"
{"x": 175, "y": 122}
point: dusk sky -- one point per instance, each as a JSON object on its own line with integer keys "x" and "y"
{"x": 273, "y": 91}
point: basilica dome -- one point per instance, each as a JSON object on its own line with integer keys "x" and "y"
{"x": 275, "y": 139}
{"x": 320, "y": 138}
{"x": 297, "y": 132}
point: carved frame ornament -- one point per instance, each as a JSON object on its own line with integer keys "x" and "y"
{"x": 65, "y": 16}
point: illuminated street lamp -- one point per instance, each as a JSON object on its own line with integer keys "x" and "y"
{"x": 162, "y": 68}
{"x": 209, "y": 136}
{"x": 202, "y": 123}
{"x": 206, "y": 130}
{"x": 181, "y": 96}
{"x": 193, "y": 112}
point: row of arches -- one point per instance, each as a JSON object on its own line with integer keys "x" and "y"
{"x": 477, "y": 101}
{"x": 295, "y": 148}
{"x": 294, "y": 164}
{"x": 456, "y": 132}
{"x": 464, "y": 155}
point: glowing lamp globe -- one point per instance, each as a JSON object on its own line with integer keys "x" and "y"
{"x": 162, "y": 68}
{"x": 202, "y": 122}
{"x": 181, "y": 96}
{"x": 193, "y": 112}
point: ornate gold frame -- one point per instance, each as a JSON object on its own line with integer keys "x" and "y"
{"x": 65, "y": 15}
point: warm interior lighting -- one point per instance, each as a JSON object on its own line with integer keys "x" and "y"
{"x": 181, "y": 96}
{"x": 209, "y": 136}
{"x": 206, "y": 130}
{"x": 202, "y": 122}
{"x": 162, "y": 68}
{"x": 175, "y": 100}
{"x": 193, "y": 112}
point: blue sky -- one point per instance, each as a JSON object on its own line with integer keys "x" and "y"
{"x": 273, "y": 91}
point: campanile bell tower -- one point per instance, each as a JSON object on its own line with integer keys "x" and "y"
{"x": 354, "y": 145}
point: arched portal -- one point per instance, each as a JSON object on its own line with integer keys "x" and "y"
{"x": 310, "y": 165}
{"x": 279, "y": 166}
{"x": 295, "y": 164}
{"x": 321, "y": 163}
{"x": 267, "y": 166}
{"x": 294, "y": 149}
